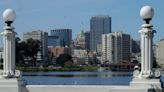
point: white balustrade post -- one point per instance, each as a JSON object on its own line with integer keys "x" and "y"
{"x": 9, "y": 16}
{"x": 146, "y": 77}
{"x": 146, "y": 50}
{"x": 9, "y": 52}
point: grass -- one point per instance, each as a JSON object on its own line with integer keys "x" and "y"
{"x": 46, "y": 69}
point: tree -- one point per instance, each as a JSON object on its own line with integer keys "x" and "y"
{"x": 33, "y": 46}
{"x": 51, "y": 57}
{"x": 28, "y": 49}
{"x": 63, "y": 58}
{"x": 19, "y": 51}
{"x": 155, "y": 63}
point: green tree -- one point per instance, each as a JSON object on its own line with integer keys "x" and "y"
{"x": 33, "y": 46}
{"x": 28, "y": 49}
{"x": 19, "y": 50}
{"x": 51, "y": 57}
{"x": 69, "y": 64}
{"x": 155, "y": 63}
{"x": 63, "y": 58}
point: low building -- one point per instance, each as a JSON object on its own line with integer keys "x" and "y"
{"x": 94, "y": 58}
{"x": 80, "y": 56}
{"x": 60, "y": 50}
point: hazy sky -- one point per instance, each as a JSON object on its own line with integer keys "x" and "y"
{"x": 75, "y": 14}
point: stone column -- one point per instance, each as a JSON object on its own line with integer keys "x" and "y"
{"x": 9, "y": 52}
{"x": 146, "y": 50}
{"x": 146, "y": 78}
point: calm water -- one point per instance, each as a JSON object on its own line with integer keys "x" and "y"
{"x": 78, "y": 78}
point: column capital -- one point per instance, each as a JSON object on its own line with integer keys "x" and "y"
{"x": 9, "y": 28}
{"x": 146, "y": 25}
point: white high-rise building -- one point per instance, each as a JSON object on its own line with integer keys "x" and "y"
{"x": 116, "y": 47}
{"x": 160, "y": 52}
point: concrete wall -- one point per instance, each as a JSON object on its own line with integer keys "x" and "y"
{"x": 18, "y": 85}
{"x": 82, "y": 88}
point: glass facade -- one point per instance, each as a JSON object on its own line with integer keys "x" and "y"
{"x": 53, "y": 41}
{"x": 65, "y": 36}
{"x": 98, "y": 25}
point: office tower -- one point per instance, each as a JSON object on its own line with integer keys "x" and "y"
{"x": 116, "y": 47}
{"x": 53, "y": 41}
{"x": 98, "y": 25}
{"x": 87, "y": 40}
{"x": 160, "y": 52}
{"x": 65, "y": 36}
{"x": 42, "y": 37}
{"x": 136, "y": 46}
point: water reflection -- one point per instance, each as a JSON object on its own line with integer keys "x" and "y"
{"x": 79, "y": 74}
{"x": 78, "y": 78}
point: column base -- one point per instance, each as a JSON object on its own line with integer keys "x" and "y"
{"x": 11, "y": 84}
{"x": 155, "y": 84}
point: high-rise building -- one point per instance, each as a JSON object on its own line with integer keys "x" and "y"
{"x": 87, "y": 40}
{"x": 80, "y": 40}
{"x": 116, "y": 47}
{"x": 136, "y": 46}
{"x": 65, "y": 36}
{"x": 42, "y": 37}
{"x": 98, "y": 25}
{"x": 160, "y": 52}
{"x": 53, "y": 41}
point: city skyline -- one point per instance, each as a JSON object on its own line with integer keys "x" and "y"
{"x": 75, "y": 15}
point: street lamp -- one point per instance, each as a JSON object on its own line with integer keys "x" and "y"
{"x": 146, "y": 77}
{"x": 10, "y": 79}
{"x": 9, "y": 16}
{"x": 147, "y": 32}
{"x": 147, "y": 13}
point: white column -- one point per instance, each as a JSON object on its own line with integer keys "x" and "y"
{"x": 13, "y": 53}
{"x": 146, "y": 50}
{"x": 150, "y": 50}
{"x": 146, "y": 54}
{"x": 9, "y": 52}
{"x": 142, "y": 51}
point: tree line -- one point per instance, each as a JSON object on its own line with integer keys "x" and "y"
{"x": 26, "y": 51}
{"x": 26, "y": 54}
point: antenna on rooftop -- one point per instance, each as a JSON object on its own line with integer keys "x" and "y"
{"x": 82, "y": 24}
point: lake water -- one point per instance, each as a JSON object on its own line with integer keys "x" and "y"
{"x": 78, "y": 78}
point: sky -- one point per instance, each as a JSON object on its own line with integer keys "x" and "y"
{"x": 76, "y": 14}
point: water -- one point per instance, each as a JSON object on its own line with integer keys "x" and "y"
{"x": 78, "y": 78}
